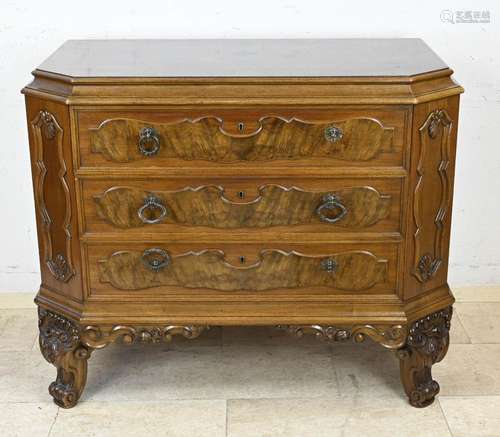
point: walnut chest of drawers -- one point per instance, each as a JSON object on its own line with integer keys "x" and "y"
{"x": 303, "y": 184}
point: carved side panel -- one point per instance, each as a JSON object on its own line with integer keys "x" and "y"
{"x": 356, "y": 139}
{"x": 432, "y": 197}
{"x": 356, "y": 207}
{"x": 52, "y": 195}
{"x": 134, "y": 270}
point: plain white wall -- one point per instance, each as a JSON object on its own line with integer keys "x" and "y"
{"x": 31, "y": 30}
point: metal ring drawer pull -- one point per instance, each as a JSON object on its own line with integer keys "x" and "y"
{"x": 329, "y": 265}
{"x": 331, "y": 203}
{"x": 333, "y": 134}
{"x": 151, "y": 203}
{"x": 149, "y": 141}
{"x": 155, "y": 259}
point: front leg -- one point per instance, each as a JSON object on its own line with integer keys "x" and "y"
{"x": 61, "y": 346}
{"x": 427, "y": 344}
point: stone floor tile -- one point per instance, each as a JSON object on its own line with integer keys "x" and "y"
{"x": 25, "y": 377}
{"x": 343, "y": 416}
{"x": 138, "y": 419}
{"x": 18, "y": 329}
{"x": 368, "y": 372}
{"x": 154, "y": 372}
{"x": 472, "y": 416}
{"x": 479, "y": 293}
{"x": 17, "y": 300}
{"x": 481, "y": 321}
{"x": 278, "y": 371}
{"x": 469, "y": 370}
{"x": 458, "y": 334}
{"x": 159, "y": 373}
{"x": 26, "y": 419}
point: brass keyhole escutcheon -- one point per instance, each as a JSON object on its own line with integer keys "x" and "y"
{"x": 241, "y": 194}
{"x": 241, "y": 126}
{"x": 242, "y": 259}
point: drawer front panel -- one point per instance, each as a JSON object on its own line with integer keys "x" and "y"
{"x": 290, "y": 205}
{"x": 283, "y": 137}
{"x": 201, "y": 270}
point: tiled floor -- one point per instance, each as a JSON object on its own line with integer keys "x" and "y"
{"x": 254, "y": 382}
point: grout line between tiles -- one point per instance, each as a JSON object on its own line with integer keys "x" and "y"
{"x": 227, "y": 418}
{"x": 53, "y": 422}
{"x": 444, "y": 417}
{"x": 457, "y": 315}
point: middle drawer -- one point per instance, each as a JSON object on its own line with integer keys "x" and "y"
{"x": 132, "y": 206}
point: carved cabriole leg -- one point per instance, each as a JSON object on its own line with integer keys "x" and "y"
{"x": 427, "y": 343}
{"x": 68, "y": 347}
{"x": 61, "y": 346}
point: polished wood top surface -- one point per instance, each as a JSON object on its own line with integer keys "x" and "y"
{"x": 243, "y": 58}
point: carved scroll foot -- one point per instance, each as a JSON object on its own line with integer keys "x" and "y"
{"x": 427, "y": 343}
{"x": 61, "y": 346}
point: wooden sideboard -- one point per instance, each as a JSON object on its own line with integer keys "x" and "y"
{"x": 303, "y": 184}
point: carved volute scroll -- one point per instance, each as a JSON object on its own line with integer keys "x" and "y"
{"x": 61, "y": 346}
{"x": 54, "y": 207}
{"x": 127, "y": 207}
{"x": 133, "y": 270}
{"x": 125, "y": 140}
{"x": 97, "y": 337}
{"x": 68, "y": 346}
{"x": 427, "y": 344}
{"x": 391, "y": 337}
{"x": 432, "y": 171}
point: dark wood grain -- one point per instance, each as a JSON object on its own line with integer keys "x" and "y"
{"x": 275, "y": 269}
{"x": 243, "y": 58}
{"x": 240, "y": 127}
{"x": 273, "y": 139}
{"x": 274, "y": 206}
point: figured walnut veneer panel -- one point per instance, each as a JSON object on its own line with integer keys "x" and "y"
{"x": 354, "y": 270}
{"x": 275, "y": 139}
{"x": 276, "y": 205}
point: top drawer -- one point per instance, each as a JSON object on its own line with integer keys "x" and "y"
{"x": 242, "y": 137}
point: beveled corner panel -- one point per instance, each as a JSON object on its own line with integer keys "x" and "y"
{"x": 55, "y": 209}
{"x": 224, "y": 269}
{"x": 434, "y": 142}
{"x": 432, "y": 172}
{"x": 248, "y": 137}
{"x": 341, "y": 205}
{"x": 53, "y": 183}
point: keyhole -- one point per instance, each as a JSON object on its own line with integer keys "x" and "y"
{"x": 241, "y": 126}
{"x": 241, "y": 194}
{"x": 242, "y": 259}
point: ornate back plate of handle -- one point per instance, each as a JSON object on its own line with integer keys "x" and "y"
{"x": 125, "y": 140}
{"x": 132, "y": 270}
{"x": 356, "y": 207}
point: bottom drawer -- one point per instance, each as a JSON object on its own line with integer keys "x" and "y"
{"x": 204, "y": 270}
